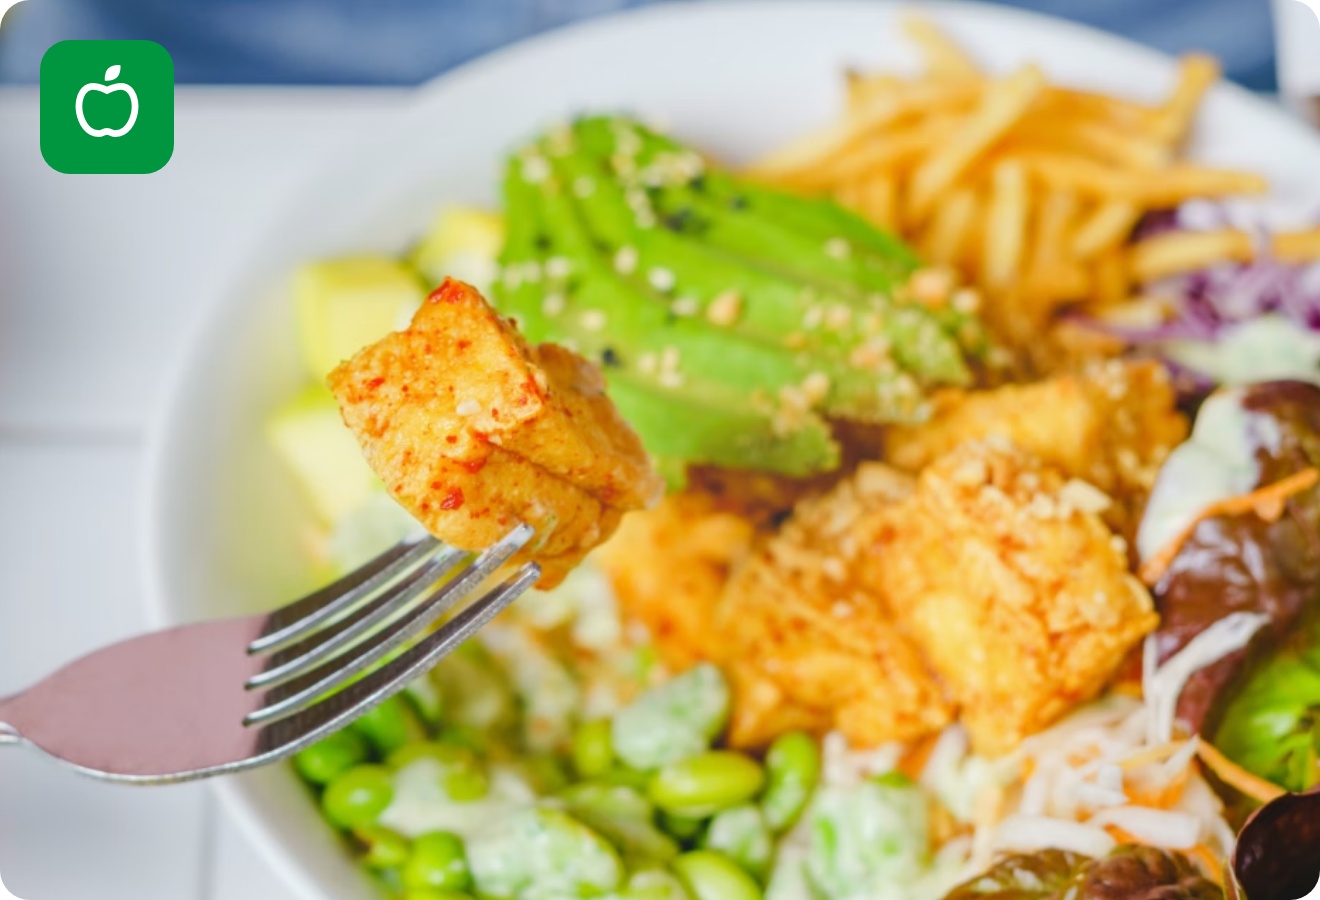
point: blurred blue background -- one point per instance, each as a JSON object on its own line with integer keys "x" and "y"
{"x": 408, "y": 41}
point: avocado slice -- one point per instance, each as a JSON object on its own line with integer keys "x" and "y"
{"x": 733, "y": 321}
{"x": 323, "y": 456}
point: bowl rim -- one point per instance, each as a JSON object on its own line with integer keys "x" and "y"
{"x": 183, "y": 371}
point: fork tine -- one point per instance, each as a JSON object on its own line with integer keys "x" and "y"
{"x": 331, "y": 676}
{"x": 294, "y": 621}
{"x": 329, "y": 642}
{"x": 303, "y": 728}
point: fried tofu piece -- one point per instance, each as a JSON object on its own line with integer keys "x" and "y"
{"x": 473, "y": 430}
{"x": 809, "y": 645}
{"x": 1112, "y": 425}
{"x": 1017, "y": 593}
{"x": 668, "y": 566}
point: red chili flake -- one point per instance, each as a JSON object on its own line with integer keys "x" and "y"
{"x": 435, "y": 485}
{"x": 453, "y": 499}
{"x": 474, "y": 465}
{"x": 375, "y": 383}
{"x": 451, "y": 439}
{"x": 463, "y": 345}
{"x": 495, "y": 414}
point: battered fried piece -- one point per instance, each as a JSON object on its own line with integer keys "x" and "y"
{"x": 1111, "y": 425}
{"x": 472, "y": 431}
{"x": 1016, "y": 592}
{"x": 808, "y": 644}
{"x": 668, "y": 566}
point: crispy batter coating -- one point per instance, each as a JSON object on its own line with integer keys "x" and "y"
{"x": 472, "y": 431}
{"x": 668, "y": 567}
{"x": 1017, "y": 593}
{"x": 1113, "y": 425}
{"x": 809, "y": 644}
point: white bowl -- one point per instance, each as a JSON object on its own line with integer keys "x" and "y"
{"x": 223, "y": 522}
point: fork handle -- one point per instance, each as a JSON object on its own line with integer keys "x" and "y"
{"x": 8, "y": 733}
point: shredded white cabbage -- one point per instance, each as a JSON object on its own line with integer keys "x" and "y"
{"x": 1025, "y": 834}
{"x": 1163, "y": 828}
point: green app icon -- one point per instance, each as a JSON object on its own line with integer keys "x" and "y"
{"x": 107, "y": 107}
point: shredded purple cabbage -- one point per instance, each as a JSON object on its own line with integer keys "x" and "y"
{"x": 1213, "y": 299}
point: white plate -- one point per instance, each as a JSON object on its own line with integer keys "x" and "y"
{"x": 223, "y": 524}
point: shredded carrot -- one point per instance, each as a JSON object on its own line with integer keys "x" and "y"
{"x": 1150, "y": 755}
{"x": 1122, "y": 836}
{"x": 1211, "y": 864}
{"x": 917, "y": 756}
{"x": 1165, "y": 797}
{"x": 1237, "y": 777}
{"x": 1267, "y": 502}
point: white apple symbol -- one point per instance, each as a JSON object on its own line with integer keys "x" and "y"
{"x": 110, "y": 75}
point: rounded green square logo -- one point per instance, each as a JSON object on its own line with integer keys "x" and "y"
{"x": 107, "y": 107}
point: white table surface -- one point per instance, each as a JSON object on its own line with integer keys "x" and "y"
{"x": 96, "y": 288}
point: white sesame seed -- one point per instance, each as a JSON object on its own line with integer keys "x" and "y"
{"x": 837, "y": 248}
{"x": 593, "y": 320}
{"x": 685, "y": 306}
{"x": 645, "y": 219}
{"x": 468, "y": 407}
{"x": 816, "y": 387}
{"x": 584, "y": 186}
{"x": 624, "y": 166}
{"x": 512, "y": 277}
{"x": 661, "y": 279}
{"x": 669, "y": 359}
{"x": 625, "y": 260}
{"x": 725, "y": 308}
{"x": 671, "y": 379}
{"x": 627, "y": 141}
{"x": 812, "y": 318}
{"x": 838, "y": 316}
{"x": 531, "y": 271}
{"x": 966, "y": 301}
{"x": 647, "y": 363}
{"x": 558, "y": 267}
{"x": 553, "y": 304}
{"x": 535, "y": 169}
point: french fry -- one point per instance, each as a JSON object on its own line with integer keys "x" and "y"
{"x": 866, "y": 89}
{"x": 900, "y": 148}
{"x": 1109, "y": 278}
{"x": 798, "y": 158}
{"x": 950, "y": 228}
{"x": 944, "y": 58}
{"x": 1196, "y": 73}
{"x": 1070, "y": 101}
{"x": 1297, "y": 246}
{"x": 1052, "y": 277}
{"x": 1151, "y": 189}
{"x": 1107, "y": 226}
{"x": 1006, "y": 225}
{"x": 1002, "y": 105}
{"x": 1185, "y": 251}
{"x": 879, "y": 202}
{"x": 1099, "y": 140}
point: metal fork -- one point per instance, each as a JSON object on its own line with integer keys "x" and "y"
{"x": 228, "y": 695}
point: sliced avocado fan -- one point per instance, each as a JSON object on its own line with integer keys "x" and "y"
{"x": 732, "y": 320}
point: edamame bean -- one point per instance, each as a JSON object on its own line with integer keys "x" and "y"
{"x": 741, "y": 833}
{"x": 330, "y": 757}
{"x": 358, "y": 796}
{"x": 383, "y": 848}
{"x": 461, "y": 773}
{"x": 624, "y": 817}
{"x": 710, "y": 875}
{"x": 593, "y": 748}
{"x": 437, "y": 861}
{"x": 706, "y": 783}
{"x": 654, "y": 884}
{"x": 792, "y": 769}
{"x": 625, "y": 777}
{"x": 390, "y": 725}
{"x": 682, "y": 827}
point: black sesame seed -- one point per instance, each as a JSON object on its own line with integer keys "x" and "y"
{"x": 698, "y": 184}
{"x": 543, "y": 242}
{"x": 610, "y": 358}
{"x": 737, "y": 201}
